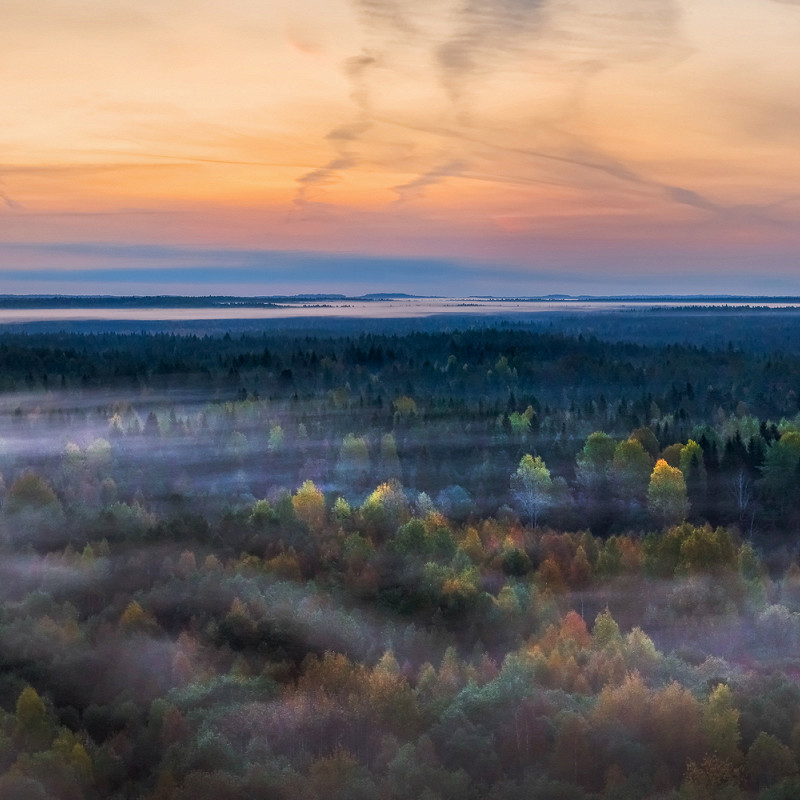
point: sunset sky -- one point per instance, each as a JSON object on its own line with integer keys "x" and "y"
{"x": 426, "y": 146}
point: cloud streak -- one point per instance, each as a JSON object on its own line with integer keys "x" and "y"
{"x": 9, "y": 202}
{"x": 343, "y": 137}
{"x": 416, "y": 188}
{"x": 484, "y": 32}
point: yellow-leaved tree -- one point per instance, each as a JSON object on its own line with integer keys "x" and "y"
{"x": 666, "y": 494}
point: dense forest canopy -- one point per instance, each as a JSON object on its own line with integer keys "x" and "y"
{"x": 489, "y": 561}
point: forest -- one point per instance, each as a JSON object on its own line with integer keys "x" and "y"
{"x": 457, "y": 559}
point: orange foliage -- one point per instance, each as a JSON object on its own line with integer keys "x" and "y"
{"x": 710, "y": 777}
{"x": 550, "y": 576}
{"x": 573, "y": 628}
{"x": 630, "y": 551}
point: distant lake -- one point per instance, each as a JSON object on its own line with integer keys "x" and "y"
{"x": 374, "y": 309}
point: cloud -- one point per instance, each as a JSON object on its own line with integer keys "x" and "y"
{"x": 102, "y": 19}
{"x": 585, "y": 158}
{"x": 621, "y": 30}
{"x": 416, "y": 188}
{"x": 156, "y": 264}
{"x": 388, "y": 14}
{"x": 342, "y": 137}
{"x": 9, "y": 202}
{"x": 485, "y": 32}
{"x": 326, "y": 173}
{"x": 688, "y": 197}
{"x": 356, "y": 69}
{"x": 468, "y": 38}
{"x": 321, "y": 176}
{"x": 349, "y": 132}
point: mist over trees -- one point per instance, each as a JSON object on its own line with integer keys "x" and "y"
{"x": 482, "y": 563}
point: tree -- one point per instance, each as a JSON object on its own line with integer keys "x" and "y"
{"x": 352, "y": 469}
{"x": 605, "y": 632}
{"x": 691, "y": 457}
{"x": 385, "y": 508}
{"x": 309, "y": 505}
{"x": 275, "y": 441}
{"x": 389, "y": 462}
{"x": 779, "y": 473}
{"x": 532, "y": 487}
{"x": 740, "y": 491}
{"x": 666, "y": 494}
{"x": 630, "y": 472}
{"x": 598, "y": 450}
{"x": 574, "y": 759}
{"x": 520, "y": 423}
{"x": 32, "y": 728}
{"x": 769, "y": 760}
{"x": 693, "y": 467}
{"x": 30, "y": 491}
{"x": 721, "y": 725}
{"x": 647, "y": 439}
{"x": 404, "y": 407}
{"x": 672, "y": 454}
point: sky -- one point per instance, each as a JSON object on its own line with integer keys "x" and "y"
{"x": 426, "y": 146}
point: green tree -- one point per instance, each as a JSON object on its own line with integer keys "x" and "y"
{"x": 691, "y": 457}
{"x": 769, "y": 760}
{"x": 389, "y": 462}
{"x": 597, "y": 452}
{"x": 521, "y": 423}
{"x": 721, "y": 725}
{"x": 594, "y": 461}
{"x": 672, "y": 454}
{"x": 404, "y": 407}
{"x": 693, "y": 467}
{"x": 30, "y": 491}
{"x": 532, "y": 487}
{"x": 647, "y": 439}
{"x": 352, "y": 468}
{"x": 605, "y": 632}
{"x": 275, "y": 441}
{"x": 32, "y": 728}
{"x": 779, "y": 481}
{"x": 631, "y": 467}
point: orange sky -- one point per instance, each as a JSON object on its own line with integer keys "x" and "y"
{"x": 553, "y": 144}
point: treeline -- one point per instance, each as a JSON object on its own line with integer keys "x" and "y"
{"x": 174, "y": 450}
{"x": 448, "y": 413}
{"x": 483, "y": 371}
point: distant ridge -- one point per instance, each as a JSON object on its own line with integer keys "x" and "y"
{"x": 51, "y": 301}
{"x": 642, "y": 298}
{"x": 183, "y": 301}
{"x": 392, "y": 296}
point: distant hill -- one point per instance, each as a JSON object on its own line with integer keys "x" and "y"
{"x": 29, "y": 301}
{"x": 159, "y": 301}
{"x": 642, "y": 298}
{"x": 391, "y": 296}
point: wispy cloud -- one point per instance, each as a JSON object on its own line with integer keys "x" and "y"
{"x": 586, "y": 159}
{"x": 416, "y": 188}
{"x": 343, "y": 137}
{"x": 484, "y": 34}
{"x": 158, "y": 264}
{"x": 9, "y": 201}
{"x": 396, "y": 15}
